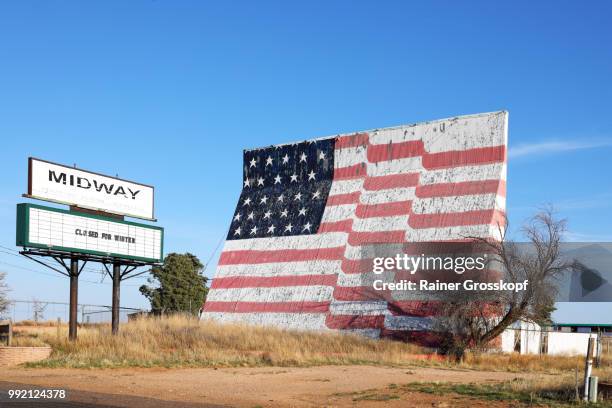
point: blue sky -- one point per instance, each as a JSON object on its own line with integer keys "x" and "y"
{"x": 170, "y": 92}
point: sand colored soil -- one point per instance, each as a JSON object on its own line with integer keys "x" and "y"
{"x": 338, "y": 386}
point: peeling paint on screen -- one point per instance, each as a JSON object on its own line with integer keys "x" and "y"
{"x": 427, "y": 182}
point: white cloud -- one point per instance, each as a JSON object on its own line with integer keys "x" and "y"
{"x": 556, "y": 147}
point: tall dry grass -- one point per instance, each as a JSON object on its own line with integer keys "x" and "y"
{"x": 515, "y": 362}
{"x": 180, "y": 341}
{"x": 566, "y": 386}
{"x": 185, "y": 342}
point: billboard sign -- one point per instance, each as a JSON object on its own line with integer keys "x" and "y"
{"x": 62, "y": 230}
{"x": 67, "y": 185}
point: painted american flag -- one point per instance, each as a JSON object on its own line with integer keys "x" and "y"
{"x": 312, "y": 216}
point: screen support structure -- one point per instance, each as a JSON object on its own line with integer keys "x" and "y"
{"x": 117, "y": 275}
{"x": 68, "y": 265}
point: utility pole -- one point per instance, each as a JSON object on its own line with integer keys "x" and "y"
{"x": 74, "y": 298}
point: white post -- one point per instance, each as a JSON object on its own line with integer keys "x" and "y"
{"x": 593, "y": 388}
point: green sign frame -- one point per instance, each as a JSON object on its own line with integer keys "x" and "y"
{"x": 23, "y": 229}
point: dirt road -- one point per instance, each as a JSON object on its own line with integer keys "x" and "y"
{"x": 246, "y": 387}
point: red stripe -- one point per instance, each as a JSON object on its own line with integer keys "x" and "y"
{"x": 457, "y": 158}
{"x": 279, "y": 255}
{"x": 267, "y": 307}
{"x": 499, "y": 219}
{"x": 377, "y": 237}
{"x": 422, "y": 338}
{"x": 502, "y": 188}
{"x": 445, "y": 247}
{"x": 344, "y": 322}
{"x": 360, "y": 293}
{"x": 460, "y": 189}
{"x": 337, "y": 226}
{"x": 272, "y": 282}
{"x": 340, "y": 199}
{"x": 383, "y": 210}
{"x": 476, "y": 217}
{"x": 394, "y": 151}
{"x": 358, "y": 139}
{"x": 352, "y": 266}
{"x": 447, "y": 275}
{"x": 436, "y": 308}
{"x": 357, "y": 265}
{"x": 391, "y": 181}
{"x": 463, "y": 246}
{"x": 417, "y": 308}
{"x": 350, "y": 172}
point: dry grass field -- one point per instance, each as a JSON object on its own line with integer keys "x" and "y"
{"x": 179, "y": 342}
{"x": 185, "y": 342}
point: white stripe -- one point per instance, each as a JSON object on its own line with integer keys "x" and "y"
{"x": 504, "y": 171}
{"x": 349, "y": 156}
{"x": 314, "y": 293}
{"x": 387, "y": 196}
{"x": 408, "y": 323}
{"x": 464, "y": 173}
{"x": 372, "y": 251}
{"x": 449, "y": 134}
{"x": 370, "y": 333}
{"x": 345, "y": 186}
{"x": 354, "y": 280}
{"x": 416, "y": 295}
{"x": 369, "y": 308}
{"x": 298, "y": 321}
{"x": 339, "y": 213}
{"x": 463, "y": 134}
{"x": 395, "y": 135}
{"x": 453, "y": 204}
{"x": 497, "y": 232}
{"x": 399, "y": 166}
{"x": 500, "y": 203}
{"x": 447, "y": 233}
{"x": 397, "y": 223}
{"x": 315, "y": 267}
{"x": 314, "y": 241}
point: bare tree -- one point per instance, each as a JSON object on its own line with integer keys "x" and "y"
{"x": 38, "y": 310}
{"x": 473, "y": 320}
{"x": 4, "y": 302}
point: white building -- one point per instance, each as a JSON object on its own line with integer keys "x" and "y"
{"x": 558, "y": 339}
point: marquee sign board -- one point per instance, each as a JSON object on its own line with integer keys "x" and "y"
{"x": 61, "y": 230}
{"x": 67, "y": 185}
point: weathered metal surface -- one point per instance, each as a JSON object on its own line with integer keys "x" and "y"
{"x": 435, "y": 181}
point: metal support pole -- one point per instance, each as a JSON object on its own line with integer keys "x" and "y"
{"x": 116, "y": 295}
{"x": 74, "y": 298}
{"x": 588, "y": 367}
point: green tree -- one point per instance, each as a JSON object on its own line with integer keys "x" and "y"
{"x": 181, "y": 287}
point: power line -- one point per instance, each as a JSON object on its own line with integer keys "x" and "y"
{"x": 214, "y": 251}
{"x": 16, "y": 253}
{"x": 57, "y": 276}
{"x": 86, "y": 269}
